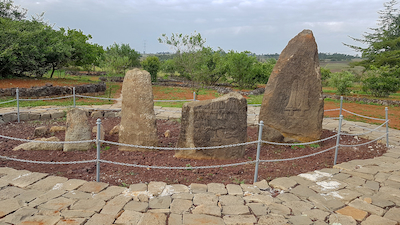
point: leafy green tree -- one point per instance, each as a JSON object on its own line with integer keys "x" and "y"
{"x": 188, "y": 54}
{"x": 83, "y": 53}
{"x": 381, "y": 82}
{"x": 384, "y": 43}
{"x": 30, "y": 47}
{"x": 9, "y": 10}
{"x": 342, "y": 81}
{"x": 124, "y": 50}
{"x": 168, "y": 66}
{"x": 212, "y": 66}
{"x": 325, "y": 75}
{"x": 242, "y": 69}
{"x": 151, "y": 64}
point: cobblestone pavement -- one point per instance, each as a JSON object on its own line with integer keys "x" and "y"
{"x": 365, "y": 192}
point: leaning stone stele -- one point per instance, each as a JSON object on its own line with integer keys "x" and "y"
{"x": 78, "y": 129}
{"x": 138, "y": 120}
{"x": 293, "y": 106}
{"x": 215, "y": 122}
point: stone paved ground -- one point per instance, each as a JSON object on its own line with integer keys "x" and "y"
{"x": 365, "y": 192}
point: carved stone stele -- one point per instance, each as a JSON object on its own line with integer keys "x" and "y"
{"x": 293, "y": 106}
{"x": 215, "y": 122}
{"x": 138, "y": 121}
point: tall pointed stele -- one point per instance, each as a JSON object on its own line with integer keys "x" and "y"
{"x": 293, "y": 105}
{"x": 138, "y": 120}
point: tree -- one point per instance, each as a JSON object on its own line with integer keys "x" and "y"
{"x": 10, "y": 11}
{"x": 151, "y": 64}
{"x": 212, "y": 66}
{"x": 83, "y": 53}
{"x": 124, "y": 50}
{"x": 187, "y": 49}
{"x": 384, "y": 43}
{"x": 241, "y": 68}
{"x": 381, "y": 82}
{"x": 342, "y": 81}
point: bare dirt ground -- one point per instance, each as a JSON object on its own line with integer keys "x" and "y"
{"x": 124, "y": 175}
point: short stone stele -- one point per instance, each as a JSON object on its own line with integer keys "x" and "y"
{"x": 293, "y": 107}
{"x": 138, "y": 120}
{"x": 215, "y": 122}
{"x": 78, "y": 129}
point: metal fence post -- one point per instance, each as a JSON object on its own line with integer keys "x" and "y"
{"x": 387, "y": 126}
{"x": 341, "y": 105}
{"x": 260, "y": 128}
{"x": 194, "y": 96}
{"x": 338, "y": 139}
{"x": 17, "y": 95}
{"x": 73, "y": 93}
{"x": 98, "y": 150}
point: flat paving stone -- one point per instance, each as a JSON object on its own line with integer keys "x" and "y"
{"x": 230, "y": 200}
{"x": 180, "y": 188}
{"x": 115, "y": 205}
{"x": 302, "y": 191}
{"x": 10, "y": 192}
{"x": 27, "y": 179}
{"x": 92, "y": 205}
{"x": 180, "y": 206}
{"x": 362, "y": 205}
{"x": 39, "y": 219}
{"x": 93, "y": 187}
{"x": 234, "y": 189}
{"x": 272, "y": 219}
{"x": 239, "y": 219}
{"x": 300, "y": 220}
{"x": 217, "y": 188}
{"x": 160, "y": 202}
{"x": 377, "y": 220}
{"x": 7, "y": 206}
{"x": 205, "y": 199}
{"x": 110, "y": 193}
{"x": 57, "y": 204}
{"x": 316, "y": 214}
{"x": 393, "y": 214}
{"x": 20, "y": 214}
{"x": 74, "y": 194}
{"x": 153, "y": 219}
{"x": 235, "y": 210}
{"x": 357, "y": 214}
{"x": 265, "y": 199}
{"x": 258, "y": 209}
{"x": 156, "y": 188}
{"x": 47, "y": 183}
{"x": 297, "y": 207}
{"x": 279, "y": 209}
{"x": 46, "y": 197}
{"x": 129, "y": 217}
{"x": 198, "y": 188}
{"x": 341, "y": 219}
{"x": 97, "y": 219}
{"x": 76, "y": 214}
{"x": 72, "y": 184}
{"x": 262, "y": 185}
{"x": 323, "y": 202}
{"x": 282, "y": 183}
{"x": 175, "y": 219}
{"x": 137, "y": 206}
{"x": 250, "y": 188}
{"x": 196, "y": 219}
{"x": 211, "y": 210}
{"x": 72, "y": 221}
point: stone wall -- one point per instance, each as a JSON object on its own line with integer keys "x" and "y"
{"x": 50, "y": 90}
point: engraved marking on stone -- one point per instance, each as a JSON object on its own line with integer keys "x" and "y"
{"x": 298, "y": 100}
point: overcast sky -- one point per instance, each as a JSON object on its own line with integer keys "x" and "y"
{"x": 259, "y": 26}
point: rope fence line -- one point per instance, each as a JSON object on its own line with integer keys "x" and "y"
{"x": 258, "y": 142}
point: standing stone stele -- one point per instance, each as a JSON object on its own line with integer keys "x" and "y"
{"x": 215, "y": 122}
{"x": 138, "y": 120}
{"x": 293, "y": 107}
{"x": 78, "y": 129}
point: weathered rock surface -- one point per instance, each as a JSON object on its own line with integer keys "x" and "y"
{"x": 78, "y": 129}
{"x": 138, "y": 120}
{"x": 41, "y": 146}
{"x": 293, "y": 106}
{"x": 215, "y": 122}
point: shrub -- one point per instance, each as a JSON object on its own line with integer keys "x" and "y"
{"x": 151, "y": 64}
{"x": 381, "y": 82}
{"x": 325, "y": 75}
{"x": 342, "y": 81}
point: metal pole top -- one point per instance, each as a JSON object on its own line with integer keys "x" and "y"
{"x": 98, "y": 121}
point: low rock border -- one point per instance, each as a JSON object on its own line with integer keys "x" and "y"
{"x": 50, "y": 90}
